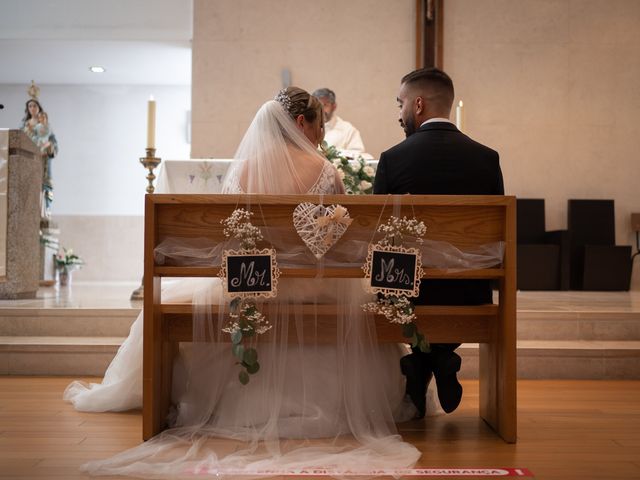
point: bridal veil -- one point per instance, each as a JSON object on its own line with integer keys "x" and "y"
{"x": 311, "y": 405}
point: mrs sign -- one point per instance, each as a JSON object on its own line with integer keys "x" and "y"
{"x": 463, "y": 221}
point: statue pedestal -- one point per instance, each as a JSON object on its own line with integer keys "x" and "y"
{"x": 21, "y": 178}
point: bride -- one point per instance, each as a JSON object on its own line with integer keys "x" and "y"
{"x": 349, "y": 394}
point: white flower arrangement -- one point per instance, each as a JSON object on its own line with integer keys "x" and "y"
{"x": 356, "y": 175}
{"x": 65, "y": 258}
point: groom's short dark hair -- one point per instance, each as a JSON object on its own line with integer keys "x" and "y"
{"x": 434, "y": 81}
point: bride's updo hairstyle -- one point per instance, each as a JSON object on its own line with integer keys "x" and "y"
{"x": 297, "y": 101}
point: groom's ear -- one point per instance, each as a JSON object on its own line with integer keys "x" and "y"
{"x": 419, "y": 105}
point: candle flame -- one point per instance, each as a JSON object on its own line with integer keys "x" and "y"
{"x": 460, "y": 103}
{"x": 151, "y": 98}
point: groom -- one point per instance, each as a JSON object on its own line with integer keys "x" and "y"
{"x": 437, "y": 159}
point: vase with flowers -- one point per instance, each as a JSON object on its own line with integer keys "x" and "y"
{"x": 66, "y": 262}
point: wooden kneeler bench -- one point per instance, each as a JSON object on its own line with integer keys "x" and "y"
{"x": 463, "y": 221}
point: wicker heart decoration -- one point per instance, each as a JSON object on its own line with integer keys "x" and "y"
{"x": 320, "y": 227}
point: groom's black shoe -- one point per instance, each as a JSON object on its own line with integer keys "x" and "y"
{"x": 415, "y": 367}
{"x": 446, "y": 365}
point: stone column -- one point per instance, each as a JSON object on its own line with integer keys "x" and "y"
{"x": 23, "y": 176}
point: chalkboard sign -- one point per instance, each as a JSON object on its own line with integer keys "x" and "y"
{"x": 251, "y": 273}
{"x": 393, "y": 270}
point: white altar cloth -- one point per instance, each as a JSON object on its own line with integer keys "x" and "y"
{"x": 199, "y": 175}
{"x": 192, "y": 176}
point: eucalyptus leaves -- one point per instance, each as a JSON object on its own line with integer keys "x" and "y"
{"x": 246, "y": 322}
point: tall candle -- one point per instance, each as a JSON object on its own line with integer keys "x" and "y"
{"x": 459, "y": 116}
{"x": 151, "y": 123}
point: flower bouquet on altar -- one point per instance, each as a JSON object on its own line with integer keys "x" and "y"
{"x": 66, "y": 262}
{"x": 356, "y": 175}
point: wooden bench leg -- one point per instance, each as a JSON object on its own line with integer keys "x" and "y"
{"x": 152, "y": 363}
{"x": 498, "y": 405}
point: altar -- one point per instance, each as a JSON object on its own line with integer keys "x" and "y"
{"x": 199, "y": 175}
{"x": 196, "y": 175}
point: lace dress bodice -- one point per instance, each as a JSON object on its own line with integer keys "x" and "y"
{"x": 325, "y": 184}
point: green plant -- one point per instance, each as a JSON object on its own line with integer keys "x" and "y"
{"x": 66, "y": 258}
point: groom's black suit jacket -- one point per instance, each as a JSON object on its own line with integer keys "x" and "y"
{"x": 438, "y": 159}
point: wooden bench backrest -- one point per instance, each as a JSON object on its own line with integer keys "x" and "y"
{"x": 463, "y": 221}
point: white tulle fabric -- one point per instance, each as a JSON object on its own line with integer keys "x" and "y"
{"x": 275, "y": 157}
{"x": 331, "y": 406}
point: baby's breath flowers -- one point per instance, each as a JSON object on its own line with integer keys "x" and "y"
{"x": 398, "y": 308}
{"x": 246, "y": 318}
{"x": 396, "y": 229}
{"x": 238, "y": 225}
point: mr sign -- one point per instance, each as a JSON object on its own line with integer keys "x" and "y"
{"x": 252, "y": 273}
{"x": 393, "y": 270}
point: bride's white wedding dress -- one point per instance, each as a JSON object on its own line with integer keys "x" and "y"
{"x": 350, "y": 392}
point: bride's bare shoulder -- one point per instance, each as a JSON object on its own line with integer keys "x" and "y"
{"x": 298, "y": 154}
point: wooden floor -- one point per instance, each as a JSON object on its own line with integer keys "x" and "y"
{"x": 568, "y": 429}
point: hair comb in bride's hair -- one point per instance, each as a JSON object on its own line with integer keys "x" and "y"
{"x": 283, "y": 99}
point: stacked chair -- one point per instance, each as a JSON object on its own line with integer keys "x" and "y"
{"x": 543, "y": 257}
{"x": 597, "y": 263}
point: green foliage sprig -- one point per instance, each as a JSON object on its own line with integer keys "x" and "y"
{"x": 246, "y": 322}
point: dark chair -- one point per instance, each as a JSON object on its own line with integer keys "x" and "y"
{"x": 596, "y": 262}
{"x": 543, "y": 257}
{"x": 635, "y": 227}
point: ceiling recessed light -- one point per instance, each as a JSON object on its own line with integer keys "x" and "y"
{"x": 97, "y": 69}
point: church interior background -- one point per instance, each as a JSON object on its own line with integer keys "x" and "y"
{"x": 552, "y": 86}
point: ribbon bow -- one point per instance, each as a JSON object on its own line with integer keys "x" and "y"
{"x": 339, "y": 216}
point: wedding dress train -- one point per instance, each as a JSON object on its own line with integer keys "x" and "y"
{"x": 310, "y": 405}
{"x": 121, "y": 387}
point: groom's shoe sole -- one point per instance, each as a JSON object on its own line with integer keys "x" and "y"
{"x": 445, "y": 368}
{"x": 418, "y": 377}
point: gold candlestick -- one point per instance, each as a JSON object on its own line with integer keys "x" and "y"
{"x": 150, "y": 162}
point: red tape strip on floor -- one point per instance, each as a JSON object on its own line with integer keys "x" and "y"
{"x": 409, "y": 472}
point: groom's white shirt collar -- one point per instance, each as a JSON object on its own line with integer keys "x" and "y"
{"x": 436, "y": 119}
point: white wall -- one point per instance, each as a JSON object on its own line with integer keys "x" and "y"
{"x": 99, "y": 183}
{"x": 101, "y": 132}
{"x": 554, "y": 87}
{"x": 358, "y": 48}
